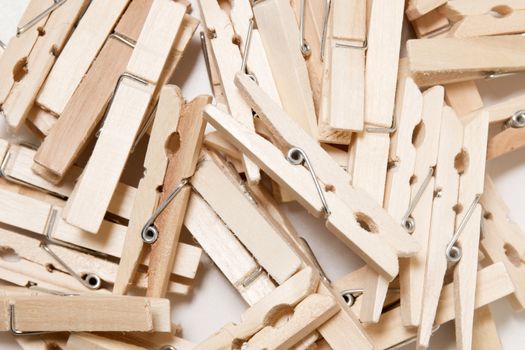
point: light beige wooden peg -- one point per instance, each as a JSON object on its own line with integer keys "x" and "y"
{"x": 134, "y": 91}
{"x": 456, "y": 10}
{"x": 512, "y": 22}
{"x": 88, "y": 341}
{"x": 418, "y": 8}
{"x": 147, "y": 196}
{"x": 282, "y": 41}
{"x": 228, "y": 60}
{"x": 485, "y": 334}
{"x": 78, "y": 53}
{"x": 174, "y": 199}
{"x": 58, "y": 27}
{"x": 449, "y": 60}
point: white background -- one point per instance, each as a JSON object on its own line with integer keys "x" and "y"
{"x": 214, "y": 302}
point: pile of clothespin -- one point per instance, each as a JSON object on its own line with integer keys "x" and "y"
{"x": 312, "y": 104}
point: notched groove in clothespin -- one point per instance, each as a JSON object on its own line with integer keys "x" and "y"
{"x": 453, "y": 252}
{"x": 24, "y": 28}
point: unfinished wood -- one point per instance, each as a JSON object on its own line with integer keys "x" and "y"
{"x": 464, "y": 97}
{"x": 309, "y": 314}
{"x": 257, "y": 62}
{"x": 290, "y": 293}
{"x": 382, "y": 58}
{"x": 398, "y": 190}
{"x": 488, "y": 24}
{"x": 24, "y": 212}
{"x": 19, "y": 47}
{"x": 449, "y": 60}
{"x": 181, "y": 166}
{"x": 230, "y": 256}
{"x": 86, "y": 107}
{"x": 43, "y": 55}
{"x": 228, "y": 61}
{"x": 426, "y": 143}
{"x": 41, "y": 120}
{"x": 457, "y": 10}
{"x": 228, "y": 198}
{"x": 505, "y": 142}
{"x": 501, "y": 112}
{"x": 503, "y": 240}
{"x": 431, "y": 24}
{"x": 218, "y": 143}
{"x": 298, "y": 180}
{"x": 287, "y": 134}
{"x": 79, "y": 52}
{"x": 442, "y": 220}
{"x": 470, "y": 185}
{"x": 156, "y": 342}
{"x": 147, "y": 196}
{"x": 42, "y": 342}
{"x": 417, "y": 8}
{"x": 492, "y": 283}
{"x": 485, "y": 334}
{"x": 279, "y": 34}
{"x": 87, "y": 341}
{"x": 89, "y": 201}
{"x": 99, "y": 313}
{"x": 347, "y": 83}
{"x": 156, "y": 39}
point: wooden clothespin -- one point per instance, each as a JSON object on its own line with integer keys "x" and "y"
{"x": 468, "y": 223}
{"x": 17, "y": 105}
{"x": 417, "y": 8}
{"x": 24, "y": 315}
{"x": 485, "y": 334}
{"x": 78, "y": 54}
{"x": 296, "y": 289}
{"x": 298, "y": 180}
{"x": 398, "y": 187}
{"x": 417, "y": 219}
{"x": 169, "y": 217}
{"x": 442, "y": 226}
{"x": 502, "y": 240}
{"x": 228, "y": 60}
{"x": 222, "y": 246}
{"x": 449, "y": 60}
{"x": 147, "y": 196}
{"x": 369, "y": 153}
{"x": 492, "y": 283}
{"x": 463, "y": 97}
{"x": 458, "y": 10}
{"x": 134, "y": 91}
{"x": 346, "y": 86}
{"x": 17, "y": 50}
{"x": 40, "y": 342}
{"x": 284, "y": 45}
{"x": 82, "y": 341}
{"x": 503, "y": 20}
{"x": 507, "y": 125}
{"x": 213, "y": 181}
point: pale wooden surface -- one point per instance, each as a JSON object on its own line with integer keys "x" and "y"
{"x": 227, "y": 58}
{"x": 417, "y": 8}
{"x": 485, "y": 335}
{"x": 79, "y": 52}
{"x": 93, "y": 191}
{"x": 449, "y": 60}
{"x": 487, "y": 24}
{"x": 181, "y": 165}
{"x": 43, "y": 55}
{"x": 280, "y": 37}
{"x": 86, "y": 107}
{"x": 147, "y": 197}
{"x": 87, "y": 341}
{"x": 457, "y": 9}
{"x": 443, "y": 220}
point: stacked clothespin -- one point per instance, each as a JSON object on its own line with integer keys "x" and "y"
{"x": 125, "y": 184}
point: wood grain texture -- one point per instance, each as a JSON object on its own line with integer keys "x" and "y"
{"x": 89, "y": 201}
{"x": 417, "y": 8}
{"x": 384, "y": 41}
{"x": 79, "y": 52}
{"x": 221, "y": 245}
{"x": 86, "y": 107}
{"x": 43, "y": 55}
{"x": 492, "y": 283}
{"x": 443, "y": 220}
{"x": 215, "y": 185}
{"x": 181, "y": 166}
{"x": 14, "y": 58}
{"x": 279, "y": 34}
{"x": 449, "y": 60}
{"x": 488, "y": 24}
{"x": 464, "y": 97}
{"x": 147, "y": 196}
{"x": 485, "y": 334}
{"x": 227, "y": 58}
{"x": 457, "y": 10}
{"x": 87, "y": 341}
